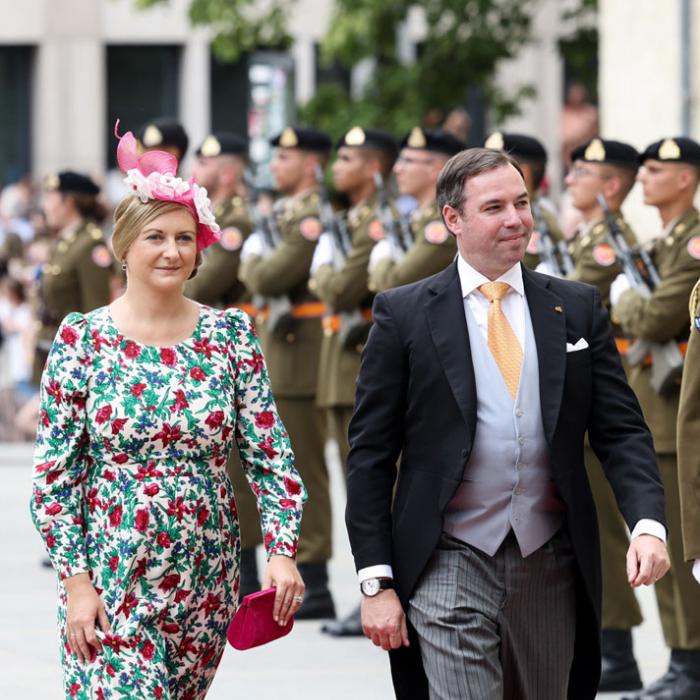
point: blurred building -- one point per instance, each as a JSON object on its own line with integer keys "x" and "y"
{"x": 69, "y": 68}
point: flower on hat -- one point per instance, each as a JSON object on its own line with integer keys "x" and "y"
{"x": 152, "y": 175}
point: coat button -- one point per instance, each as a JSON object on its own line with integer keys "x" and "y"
{"x": 464, "y": 453}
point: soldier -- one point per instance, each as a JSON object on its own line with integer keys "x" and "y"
{"x": 277, "y": 269}
{"x": 608, "y": 168}
{"x": 688, "y": 430}
{"x": 339, "y": 278}
{"x": 219, "y": 166}
{"x": 669, "y": 176}
{"x": 429, "y": 248}
{"x": 76, "y": 276}
{"x": 532, "y": 158}
{"x": 164, "y": 134}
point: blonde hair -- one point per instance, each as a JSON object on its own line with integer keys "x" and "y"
{"x": 131, "y": 215}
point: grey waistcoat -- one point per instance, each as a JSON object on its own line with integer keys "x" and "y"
{"x": 507, "y": 480}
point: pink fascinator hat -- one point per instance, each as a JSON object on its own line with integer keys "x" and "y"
{"x": 152, "y": 175}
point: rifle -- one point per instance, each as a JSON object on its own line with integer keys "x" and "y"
{"x": 280, "y": 320}
{"x": 667, "y": 360}
{"x": 393, "y": 231}
{"x": 549, "y": 252}
{"x": 331, "y": 223}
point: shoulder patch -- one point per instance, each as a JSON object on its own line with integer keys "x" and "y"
{"x": 101, "y": 256}
{"x": 435, "y": 232}
{"x": 604, "y": 254}
{"x": 533, "y": 246}
{"x": 311, "y": 228}
{"x": 694, "y": 247}
{"x": 375, "y": 230}
{"x": 231, "y": 238}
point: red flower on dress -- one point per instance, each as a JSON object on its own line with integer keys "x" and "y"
{"x": 114, "y": 563}
{"x": 210, "y": 604}
{"x": 204, "y": 348}
{"x": 44, "y": 418}
{"x": 177, "y": 508}
{"x": 104, "y": 414}
{"x": 168, "y": 434}
{"x": 163, "y": 539}
{"x": 118, "y": 425}
{"x": 292, "y": 486}
{"x": 69, "y": 335}
{"x": 151, "y": 489}
{"x": 73, "y": 690}
{"x": 198, "y": 374}
{"x": 137, "y": 389}
{"x": 181, "y": 594}
{"x": 50, "y": 541}
{"x": 148, "y": 650}
{"x": 256, "y": 362}
{"x": 115, "y": 516}
{"x": 53, "y": 508}
{"x": 214, "y": 420}
{"x": 121, "y": 458}
{"x": 141, "y": 520}
{"x": 115, "y": 643}
{"x": 267, "y": 448}
{"x": 265, "y": 419}
{"x": 140, "y": 569}
{"x": 170, "y": 627}
{"x": 268, "y": 539}
{"x": 168, "y": 357}
{"x": 132, "y": 350}
{"x": 202, "y": 515}
{"x": 288, "y": 503}
{"x": 128, "y": 604}
{"x": 169, "y": 582}
{"x": 180, "y": 401}
{"x": 108, "y": 475}
{"x": 54, "y": 389}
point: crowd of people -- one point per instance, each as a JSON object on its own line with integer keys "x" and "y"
{"x": 306, "y": 266}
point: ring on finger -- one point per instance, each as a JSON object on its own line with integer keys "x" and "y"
{"x": 298, "y": 599}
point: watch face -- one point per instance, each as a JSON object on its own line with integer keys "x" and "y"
{"x": 370, "y": 587}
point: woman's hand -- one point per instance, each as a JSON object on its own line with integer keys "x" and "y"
{"x": 282, "y": 573}
{"x": 84, "y": 607}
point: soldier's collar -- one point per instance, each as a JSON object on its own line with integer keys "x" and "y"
{"x": 68, "y": 233}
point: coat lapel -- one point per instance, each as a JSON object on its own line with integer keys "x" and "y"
{"x": 448, "y": 328}
{"x": 548, "y": 316}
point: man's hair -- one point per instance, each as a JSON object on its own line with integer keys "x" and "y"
{"x": 465, "y": 165}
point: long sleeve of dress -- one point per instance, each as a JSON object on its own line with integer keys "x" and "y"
{"x": 60, "y": 459}
{"x": 263, "y": 443}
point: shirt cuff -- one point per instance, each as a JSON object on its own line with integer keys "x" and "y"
{"x": 696, "y": 570}
{"x": 378, "y": 571}
{"x": 646, "y": 526}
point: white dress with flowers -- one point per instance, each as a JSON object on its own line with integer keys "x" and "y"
{"x": 130, "y": 485}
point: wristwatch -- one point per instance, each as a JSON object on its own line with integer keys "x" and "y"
{"x": 371, "y": 586}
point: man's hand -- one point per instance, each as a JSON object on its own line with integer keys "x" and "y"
{"x": 647, "y": 560}
{"x": 384, "y": 621}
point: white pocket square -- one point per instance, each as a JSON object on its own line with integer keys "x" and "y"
{"x": 580, "y": 344}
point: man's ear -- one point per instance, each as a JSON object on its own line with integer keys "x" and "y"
{"x": 452, "y": 219}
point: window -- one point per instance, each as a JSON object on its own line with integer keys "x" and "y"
{"x": 229, "y": 95}
{"x": 142, "y": 84}
{"x": 15, "y": 115}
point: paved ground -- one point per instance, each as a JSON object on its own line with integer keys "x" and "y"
{"x": 305, "y": 665}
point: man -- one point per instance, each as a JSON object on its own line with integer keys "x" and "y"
{"x": 532, "y": 158}
{"x": 339, "y": 278}
{"x": 488, "y": 539}
{"x": 422, "y": 156}
{"x": 669, "y": 178}
{"x": 219, "y": 166}
{"x": 688, "y": 431}
{"x": 608, "y": 168}
{"x": 292, "y": 341}
{"x": 164, "y": 134}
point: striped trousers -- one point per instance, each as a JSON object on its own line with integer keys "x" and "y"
{"x": 499, "y": 627}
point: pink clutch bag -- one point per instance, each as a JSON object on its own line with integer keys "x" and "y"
{"x": 252, "y": 625}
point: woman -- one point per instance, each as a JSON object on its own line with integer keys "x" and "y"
{"x": 141, "y": 402}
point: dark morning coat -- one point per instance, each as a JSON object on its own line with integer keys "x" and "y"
{"x": 416, "y": 397}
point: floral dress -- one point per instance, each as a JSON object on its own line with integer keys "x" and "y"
{"x": 130, "y": 485}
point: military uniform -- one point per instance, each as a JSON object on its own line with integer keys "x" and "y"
{"x": 595, "y": 263}
{"x": 660, "y": 318}
{"x": 532, "y": 254}
{"x": 75, "y": 277}
{"x": 164, "y": 134}
{"x": 292, "y": 355}
{"x": 688, "y": 432}
{"x": 345, "y": 290}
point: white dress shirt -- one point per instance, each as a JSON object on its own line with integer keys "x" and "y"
{"x": 513, "y": 307}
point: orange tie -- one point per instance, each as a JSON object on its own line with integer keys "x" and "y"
{"x": 503, "y": 342}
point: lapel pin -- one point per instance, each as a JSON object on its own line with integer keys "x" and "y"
{"x": 558, "y": 309}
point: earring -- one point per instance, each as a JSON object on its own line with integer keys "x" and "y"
{"x": 124, "y": 268}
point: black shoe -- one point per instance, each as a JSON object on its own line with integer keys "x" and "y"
{"x": 249, "y": 573}
{"x": 619, "y": 670}
{"x": 680, "y": 682}
{"x": 349, "y": 626}
{"x": 318, "y": 602}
